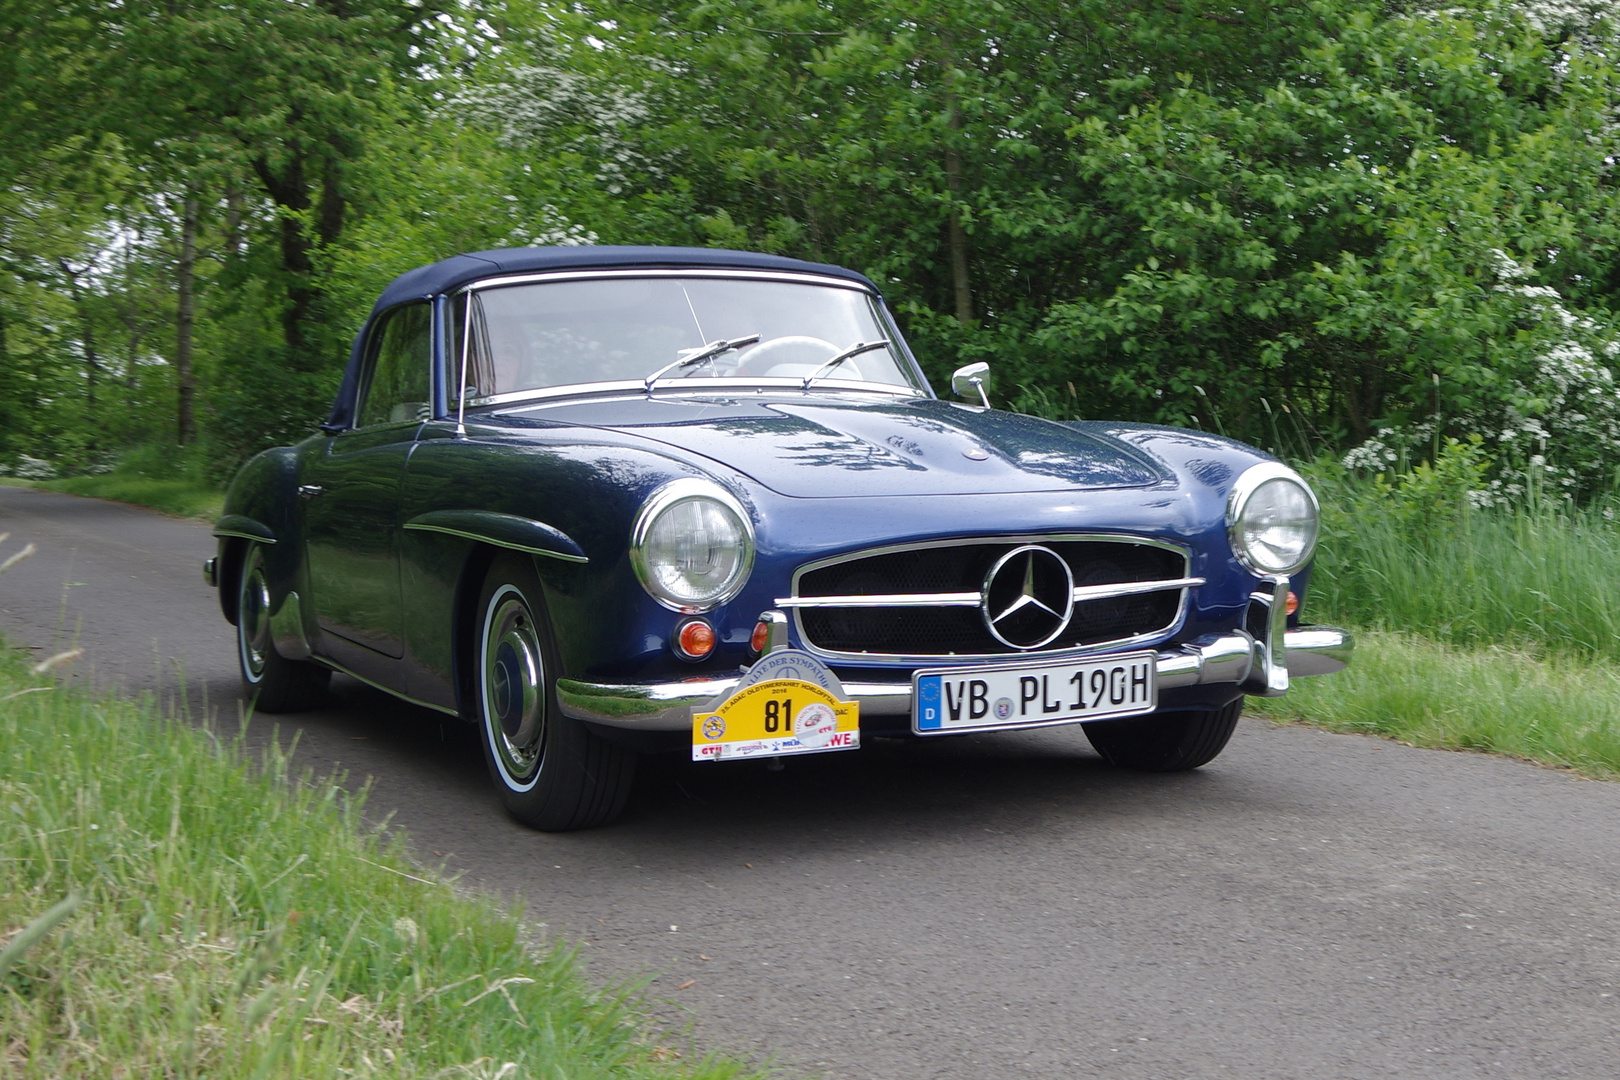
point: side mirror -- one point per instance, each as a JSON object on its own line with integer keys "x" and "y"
{"x": 969, "y": 382}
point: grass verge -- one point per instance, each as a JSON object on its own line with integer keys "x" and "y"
{"x": 168, "y": 908}
{"x": 182, "y": 498}
{"x": 1406, "y": 558}
{"x": 1561, "y": 710}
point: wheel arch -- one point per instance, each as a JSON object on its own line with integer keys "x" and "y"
{"x": 261, "y": 506}
{"x": 464, "y": 637}
{"x": 464, "y": 633}
{"x": 231, "y": 550}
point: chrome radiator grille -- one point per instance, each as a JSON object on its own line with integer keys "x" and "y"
{"x": 944, "y": 599}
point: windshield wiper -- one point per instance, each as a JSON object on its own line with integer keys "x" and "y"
{"x": 854, "y": 350}
{"x": 706, "y": 353}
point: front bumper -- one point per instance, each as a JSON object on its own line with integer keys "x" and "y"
{"x": 1236, "y": 658}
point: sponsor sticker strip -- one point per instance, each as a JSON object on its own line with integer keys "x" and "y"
{"x": 775, "y": 718}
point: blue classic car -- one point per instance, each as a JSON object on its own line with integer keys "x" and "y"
{"x": 602, "y": 501}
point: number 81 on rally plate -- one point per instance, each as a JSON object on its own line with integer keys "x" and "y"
{"x": 988, "y": 698}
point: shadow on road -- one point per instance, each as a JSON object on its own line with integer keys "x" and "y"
{"x": 951, "y": 786}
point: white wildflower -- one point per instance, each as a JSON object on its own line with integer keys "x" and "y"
{"x": 1507, "y": 267}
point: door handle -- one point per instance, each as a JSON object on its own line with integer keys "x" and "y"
{"x": 309, "y": 491}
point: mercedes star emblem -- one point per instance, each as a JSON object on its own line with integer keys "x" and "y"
{"x": 1028, "y": 597}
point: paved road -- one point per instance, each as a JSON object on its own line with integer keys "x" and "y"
{"x": 1309, "y": 905}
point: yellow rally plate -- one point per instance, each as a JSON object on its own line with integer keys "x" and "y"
{"x": 776, "y": 717}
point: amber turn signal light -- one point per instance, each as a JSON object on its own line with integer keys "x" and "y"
{"x": 1292, "y": 604}
{"x": 695, "y": 639}
{"x": 761, "y": 635}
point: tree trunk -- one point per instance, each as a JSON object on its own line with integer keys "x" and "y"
{"x": 334, "y": 205}
{"x": 957, "y": 236}
{"x": 185, "y": 314}
{"x": 290, "y": 192}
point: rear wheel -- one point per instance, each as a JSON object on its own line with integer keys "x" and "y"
{"x": 1166, "y": 742}
{"x": 551, "y": 771}
{"x": 276, "y": 684}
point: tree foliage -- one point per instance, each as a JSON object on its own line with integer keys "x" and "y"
{"x": 1302, "y": 224}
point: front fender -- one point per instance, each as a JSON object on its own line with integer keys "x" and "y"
{"x": 569, "y": 503}
{"x": 261, "y": 506}
{"x": 1211, "y": 464}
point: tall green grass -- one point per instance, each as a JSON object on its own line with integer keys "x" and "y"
{"x": 1492, "y": 628}
{"x": 1419, "y": 558}
{"x": 1561, "y": 710}
{"x": 168, "y": 908}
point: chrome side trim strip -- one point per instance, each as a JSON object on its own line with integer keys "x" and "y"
{"x": 493, "y": 542}
{"x": 243, "y": 528}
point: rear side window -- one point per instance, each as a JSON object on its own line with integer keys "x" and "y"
{"x": 396, "y": 388}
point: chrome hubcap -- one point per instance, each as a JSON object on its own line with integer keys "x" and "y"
{"x": 253, "y": 615}
{"x": 512, "y": 687}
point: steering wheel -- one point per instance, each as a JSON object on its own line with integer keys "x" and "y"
{"x": 791, "y": 349}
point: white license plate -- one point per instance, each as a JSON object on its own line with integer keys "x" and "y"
{"x": 989, "y": 698}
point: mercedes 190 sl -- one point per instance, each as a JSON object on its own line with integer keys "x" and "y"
{"x": 604, "y": 501}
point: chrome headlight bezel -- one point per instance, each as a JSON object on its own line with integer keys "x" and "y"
{"x": 1237, "y": 502}
{"x": 662, "y": 501}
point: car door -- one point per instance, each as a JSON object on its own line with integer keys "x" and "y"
{"x": 351, "y": 488}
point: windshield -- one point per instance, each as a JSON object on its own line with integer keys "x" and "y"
{"x": 538, "y": 335}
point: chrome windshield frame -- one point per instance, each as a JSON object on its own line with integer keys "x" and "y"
{"x": 897, "y": 344}
{"x": 727, "y": 387}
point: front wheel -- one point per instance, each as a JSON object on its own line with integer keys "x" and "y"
{"x": 551, "y": 771}
{"x": 275, "y": 683}
{"x": 1166, "y": 742}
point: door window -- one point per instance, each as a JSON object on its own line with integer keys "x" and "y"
{"x": 401, "y": 354}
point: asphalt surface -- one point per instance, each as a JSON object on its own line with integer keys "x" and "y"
{"x": 1308, "y": 905}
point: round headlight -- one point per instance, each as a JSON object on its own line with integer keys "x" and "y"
{"x": 1271, "y": 519}
{"x": 692, "y": 545}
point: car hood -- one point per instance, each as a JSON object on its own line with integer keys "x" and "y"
{"x": 813, "y": 448}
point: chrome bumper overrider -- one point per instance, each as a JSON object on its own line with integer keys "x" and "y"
{"x": 1222, "y": 658}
